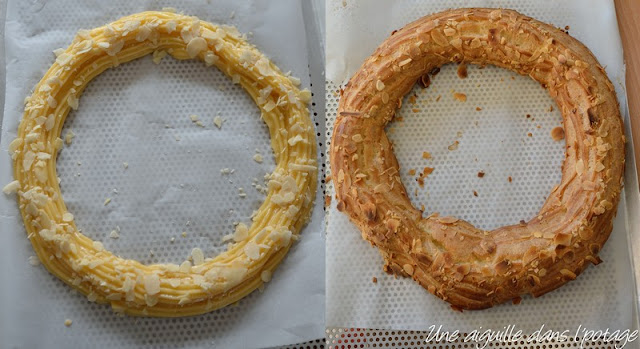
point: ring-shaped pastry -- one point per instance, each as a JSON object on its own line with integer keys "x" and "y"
{"x": 466, "y": 266}
{"x": 165, "y": 290}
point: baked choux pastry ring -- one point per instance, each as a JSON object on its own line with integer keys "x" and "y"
{"x": 466, "y": 266}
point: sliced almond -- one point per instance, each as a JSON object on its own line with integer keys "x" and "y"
{"x": 448, "y": 219}
{"x": 557, "y": 134}
{"x": 195, "y": 46}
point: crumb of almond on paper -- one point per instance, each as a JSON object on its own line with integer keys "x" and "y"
{"x": 107, "y": 201}
{"x": 459, "y": 96}
{"x": 426, "y": 155}
{"x": 227, "y": 171}
{"x": 125, "y": 165}
{"x": 68, "y": 137}
{"x": 258, "y": 158}
{"x": 462, "y": 71}
{"x": 114, "y": 234}
{"x": 424, "y": 174}
{"x": 242, "y": 193}
{"x": 374, "y": 280}
{"x": 475, "y": 193}
{"x": 509, "y": 179}
{"x": 262, "y": 189}
{"x": 478, "y": 109}
{"x": 34, "y": 261}
{"x": 68, "y": 322}
{"x": 480, "y": 174}
{"x": 453, "y": 146}
{"x": 218, "y": 121}
{"x": 557, "y": 134}
{"x": 196, "y": 120}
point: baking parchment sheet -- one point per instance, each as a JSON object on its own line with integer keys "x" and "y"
{"x": 172, "y": 196}
{"x": 507, "y": 138}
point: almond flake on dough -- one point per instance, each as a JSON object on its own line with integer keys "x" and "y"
{"x": 11, "y": 188}
{"x": 152, "y": 284}
{"x": 198, "y": 256}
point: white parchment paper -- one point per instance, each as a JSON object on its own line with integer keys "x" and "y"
{"x": 507, "y": 137}
{"x": 139, "y": 114}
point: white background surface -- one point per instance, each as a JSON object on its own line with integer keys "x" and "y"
{"x": 136, "y": 113}
{"x": 493, "y": 140}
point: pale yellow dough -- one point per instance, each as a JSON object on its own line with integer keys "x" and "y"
{"x": 165, "y": 290}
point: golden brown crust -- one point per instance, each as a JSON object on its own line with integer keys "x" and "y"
{"x": 466, "y": 266}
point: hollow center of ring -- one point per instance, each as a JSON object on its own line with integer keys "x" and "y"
{"x": 478, "y": 148}
{"x": 163, "y": 171}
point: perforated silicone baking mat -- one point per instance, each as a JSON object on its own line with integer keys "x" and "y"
{"x": 174, "y": 182}
{"x": 494, "y": 162}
